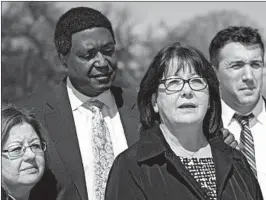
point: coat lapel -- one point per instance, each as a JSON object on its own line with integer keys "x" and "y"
{"x": 264, "y": 100}
{"x": 223, "y": 161}
{"x": 60, "y": 122}
{"x": 129, "y": 115}
{"x": 181, "y": 171}
{"x": 154, "y": 144}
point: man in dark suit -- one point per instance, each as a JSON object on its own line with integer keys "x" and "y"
{"x": 238, "y": 55}
{"x": 85, "y": 43}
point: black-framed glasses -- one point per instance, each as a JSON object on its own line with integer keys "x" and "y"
{"x": 18, "y": 150}
{"x": 177, "y": 84}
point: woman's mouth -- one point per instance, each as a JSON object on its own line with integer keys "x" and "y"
{"x": 187, "y": 105}
{"x": 30, "y": 169}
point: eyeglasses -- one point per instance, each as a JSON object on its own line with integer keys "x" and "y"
{"x": 177, "y": 84}
{"x": 18, "y": 150}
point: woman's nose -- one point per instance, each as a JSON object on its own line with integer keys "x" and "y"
{"x": 186, "y": 91}
{"x": 29, "y": 154}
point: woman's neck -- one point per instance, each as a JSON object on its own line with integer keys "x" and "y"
{"x": 190, "y": 137}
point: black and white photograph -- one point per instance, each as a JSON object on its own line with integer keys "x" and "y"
{"x": 135, "y": 100}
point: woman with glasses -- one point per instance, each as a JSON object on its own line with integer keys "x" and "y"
{"x": 181, "y": 153}
{"x": 23, "y": 157}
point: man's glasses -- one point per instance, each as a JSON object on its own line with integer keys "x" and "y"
{"x": 177, "y": 84}
{"x": 18, "y": 150}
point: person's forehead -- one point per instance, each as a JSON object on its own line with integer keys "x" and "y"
{"x": 176, "y": 67}
{"x": 92, "y": 34}
{"x": 20, "y": 133}
{"x": 239, "y": 52}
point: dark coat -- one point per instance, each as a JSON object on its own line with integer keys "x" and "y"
{"x": 45, "y": 189}
{"x": 53, "y": 109}
{"x": 150, "y": 170}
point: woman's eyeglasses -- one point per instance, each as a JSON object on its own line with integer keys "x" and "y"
{"x": 18, "y": 150}
{"x": 177, "y": 84}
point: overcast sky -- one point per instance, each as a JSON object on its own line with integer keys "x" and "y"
{"x": 174, "y": 12}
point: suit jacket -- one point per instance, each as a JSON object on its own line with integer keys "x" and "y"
{"x": 53, "y": 108}
{"x": 149, "y": 170}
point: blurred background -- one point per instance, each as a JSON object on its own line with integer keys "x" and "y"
{"x": 29, "y": 60}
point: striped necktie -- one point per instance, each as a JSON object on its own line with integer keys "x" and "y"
{"x": 102, "y": 148}
{"x": 246, "y": 140}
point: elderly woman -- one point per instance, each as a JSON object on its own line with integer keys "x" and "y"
{"x": 23, "y": 157}
{"x": 181, "y": 153}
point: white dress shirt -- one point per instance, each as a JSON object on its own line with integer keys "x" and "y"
{"x": 258, "y": 129}
{"x": 83, "y": 123}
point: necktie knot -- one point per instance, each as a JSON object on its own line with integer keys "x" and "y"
{"x": 243, "y": 120}
{"x": 94, "y": 105}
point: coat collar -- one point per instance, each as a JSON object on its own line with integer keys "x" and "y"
{"x": 153, "y": 143}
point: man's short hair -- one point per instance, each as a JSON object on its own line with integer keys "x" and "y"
{"x": 247, "y": 36}
{"x": 76, "y": 20}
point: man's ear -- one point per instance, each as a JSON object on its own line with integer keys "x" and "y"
{"x": 63, "y": 59}
{"x": 154, "y": 103}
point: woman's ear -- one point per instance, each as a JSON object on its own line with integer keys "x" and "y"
{"x": 154, "y": 103}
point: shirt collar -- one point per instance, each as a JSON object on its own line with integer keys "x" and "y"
{"x": 227, "y": 113}
{"x": 259, "y": 112}
{"x": 77, "y": 98}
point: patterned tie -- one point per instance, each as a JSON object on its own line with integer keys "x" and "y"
{"x": 103, "y": 153}
{"x": 246, "y": 139}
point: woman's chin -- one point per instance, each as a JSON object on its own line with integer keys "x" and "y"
{"x": 30, "y": 179}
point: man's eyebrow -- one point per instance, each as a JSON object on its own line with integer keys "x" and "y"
{"x": 236, "y": 62}
{"x": 108, "y": 44}
{"x": 260, "y": 61}
{"x": 242, "y": 62}
{"x": 86, "y": 50}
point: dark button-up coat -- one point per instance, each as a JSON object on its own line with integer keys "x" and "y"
{"x": 149, "y": 170}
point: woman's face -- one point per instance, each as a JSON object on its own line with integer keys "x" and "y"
{"x": 28, "y": 169}
{"x": 185, "y": 107}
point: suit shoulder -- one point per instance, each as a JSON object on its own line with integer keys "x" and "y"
{"x": 128, "y": 93}
{"x": 36, "y": 101}
{"x": 124, "y": 96}
{"x": 35, "y": 97}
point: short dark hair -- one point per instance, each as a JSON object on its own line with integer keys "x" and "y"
{"x": 76, "y": 20}
{"x": 186, "y": 55}
{"x": 245, "y": 35}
